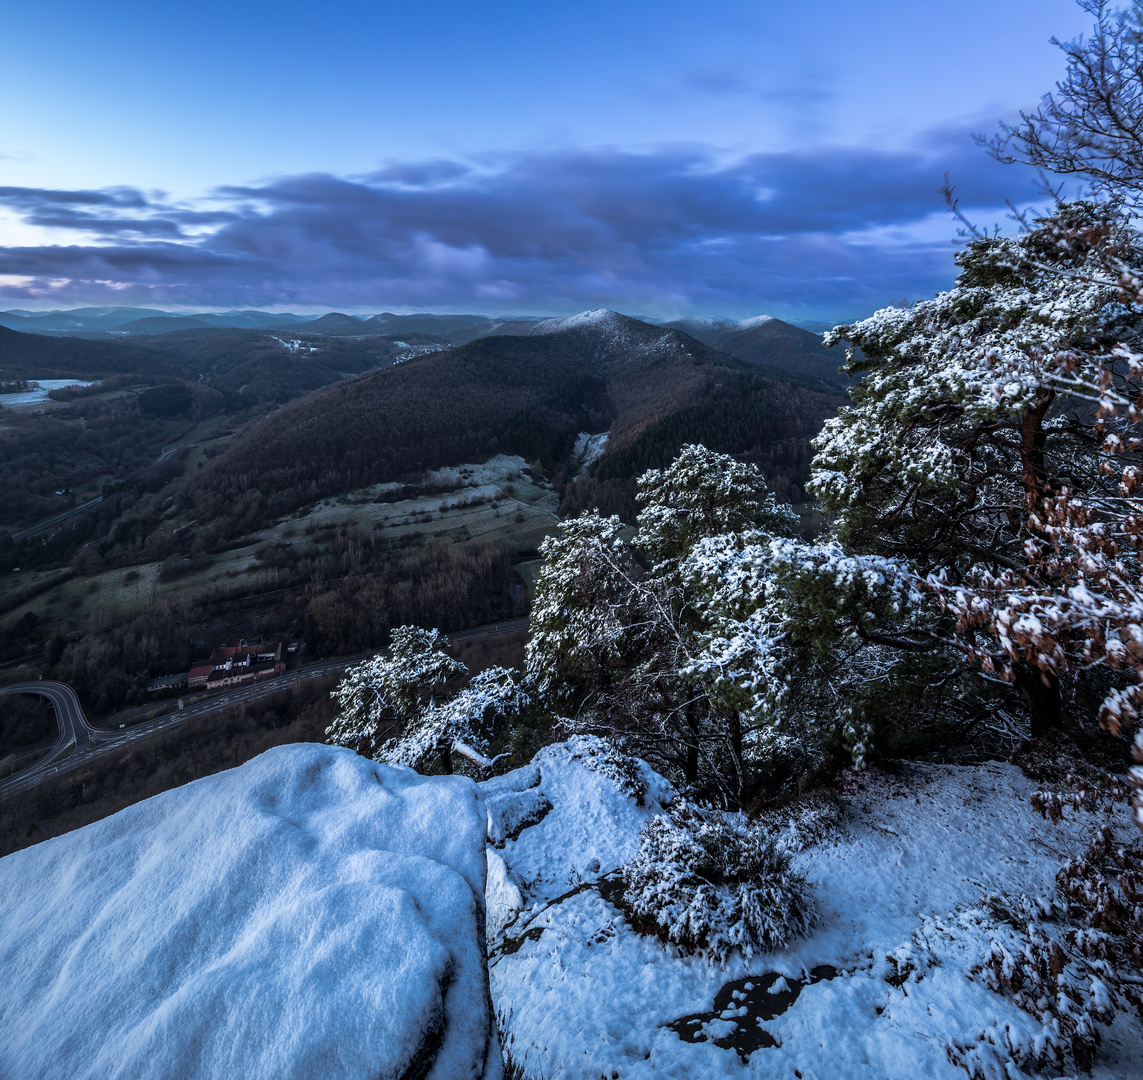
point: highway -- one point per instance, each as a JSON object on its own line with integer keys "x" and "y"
{"x": 55, "y": 519}
{"x": 80, "y": 743}
{"x": 76, "y": 735}
{"x": 169, "y": 450}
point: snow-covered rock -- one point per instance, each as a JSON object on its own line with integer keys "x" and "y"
{"x": 310, "y": 914}
{"x": 588, "y": 448}
{"x": 906, "y": 880}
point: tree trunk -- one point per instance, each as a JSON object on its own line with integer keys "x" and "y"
{"x": 690, "y": 769}
{"x": 1033, "y": 465}
{"x": 446, "y": 760}
{"x": 1041, "y": 693}
{"x": 736, "y": 756}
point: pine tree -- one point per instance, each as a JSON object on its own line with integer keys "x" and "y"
{"x": 380, "y": 695}
{"x": 977, "y": 406}
{"x": 396, "y": 708}
{"x": 463, "y": 724}
{"x": 703, "y": 494}
{"x": 707, "y": 642}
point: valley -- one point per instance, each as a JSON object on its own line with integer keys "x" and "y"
{"x": 196, "y": 484}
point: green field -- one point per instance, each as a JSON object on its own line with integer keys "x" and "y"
{"x": 495, "y": 500}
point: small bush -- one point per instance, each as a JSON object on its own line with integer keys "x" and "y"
{"x": 712, "y": 882}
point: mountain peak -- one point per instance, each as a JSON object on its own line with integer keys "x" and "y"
{"x": 585, "y": 320}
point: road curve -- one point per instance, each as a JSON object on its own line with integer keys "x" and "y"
{"x": 75, "y": 733}
{"x": 92, "y": 742}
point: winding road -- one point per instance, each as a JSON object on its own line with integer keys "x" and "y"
{"x": 79, "y": 742}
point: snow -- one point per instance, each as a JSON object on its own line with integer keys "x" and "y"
{"x": 295, "y": 345}
{"x": 588, "y": 448}
{"x": 309, "y": 914}
{"x": 585, "y": 320}
{"x": 590, "y": 819}
{"x": 880, "y": 987}
{"x": 758, "y": 320}
{"x": 38, "y": 392}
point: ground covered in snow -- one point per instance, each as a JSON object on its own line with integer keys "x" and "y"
{"x": 315, "y": 914}
{"x": 310, "y": 914}
{"x": 914, "y": 874}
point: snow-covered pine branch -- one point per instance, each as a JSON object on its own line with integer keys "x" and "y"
{"x": 981, "y": 406}
{"x": 462, "y": 724}
{"x": 703, "y": 494}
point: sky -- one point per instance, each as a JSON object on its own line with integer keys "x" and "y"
{"x": 729, "y": 158}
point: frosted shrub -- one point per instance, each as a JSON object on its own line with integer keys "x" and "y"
{"x": 712, "y": 882}
{"x": 1073, "y": 963}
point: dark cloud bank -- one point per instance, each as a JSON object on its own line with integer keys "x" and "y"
{"x": 671, "y": 232}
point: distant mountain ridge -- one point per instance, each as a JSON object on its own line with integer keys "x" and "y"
{"x": 137, "y": 320}
{"x": 456, "y": 328}
{"x": 530, "y": 392}
{"x": 779, "y": 345}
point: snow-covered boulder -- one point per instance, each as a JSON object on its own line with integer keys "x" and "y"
{"x": 310, "y": 914}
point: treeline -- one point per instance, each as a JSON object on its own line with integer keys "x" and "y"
{"x": 340, "y": 594}
{"x": 118, "y": 438}
{"x": 439, "y": 583}
{"x": 109, "y": 670}
{"x": 25, "y": 720}
{"x": 514, "y": 395}
{"x": 257, "y": 368}
{"x": 41, "y": 357}
{"x": 767, "y": 423}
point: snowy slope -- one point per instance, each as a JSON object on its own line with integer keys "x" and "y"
{"x": 903, "y": 869}
{"x": 310, "y": 914}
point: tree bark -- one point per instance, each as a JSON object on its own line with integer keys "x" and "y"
{"x": 1041, "y": 693}
{"x": 1032, "y": 457}
{"x": 690, "y": 769}
{"x": 736, "y": 756}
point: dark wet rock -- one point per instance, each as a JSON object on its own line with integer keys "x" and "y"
{"x": 747, "y": 1004}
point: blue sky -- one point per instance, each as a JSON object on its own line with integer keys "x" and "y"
{"x": 668, "y": 158}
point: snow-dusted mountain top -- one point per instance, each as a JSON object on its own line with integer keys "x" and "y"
{"x": 609, "y": 333}
{"x": 598, "y": 318}
{"x": 595, "y": 319}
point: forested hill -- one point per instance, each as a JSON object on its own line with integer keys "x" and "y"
{"x": 790, "y": 350}
{"x": 653, "y": 388}
{"x": 27, "y": 356}
{"x": 264, "y": 367}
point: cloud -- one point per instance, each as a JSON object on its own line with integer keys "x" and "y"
{"x": 819, "y": 233}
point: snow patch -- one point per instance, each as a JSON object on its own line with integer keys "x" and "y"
{"x": 597, "y": 317}
{"x": 758, "y": 320}
{"x": 295, "y": 345}
{"x": 588, "y": 448}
